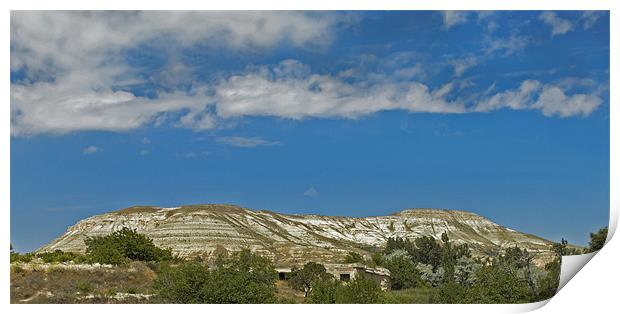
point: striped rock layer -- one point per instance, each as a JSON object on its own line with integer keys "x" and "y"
{"x": 197, "y": 230}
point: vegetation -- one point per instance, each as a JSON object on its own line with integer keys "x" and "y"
{"x": 17, "y": 257}
{"x": 562, "y": 249}
{"x": 303, "y": 279}
{"x": 597, "y": 240}
{"x": 57, "y": 256}
{"x": 241, "y": 278}
{"x": 353, "y": 257}
{"x": 359, "y": 290}
{"x": 424, "y": 270}
{"x": 124, "y": 245}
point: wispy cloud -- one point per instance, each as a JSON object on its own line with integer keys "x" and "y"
{"x": 239, "y": 141}
{"x": 144, "y": 152}
{"x": 558, "y": 25}
{"x": 506, "y": 46}
{"x": 589, "y": 18}
{"x": 74, "y": 77}
{"x": 90, "y": 150}
{"x": 311, "y": 192}
{"x": 195, "y": 154}
{"x": 452, "y": 18}
{"x": 461, "y": 65}
{"x": 551, "y": 99}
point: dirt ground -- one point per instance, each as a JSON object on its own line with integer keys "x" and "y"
{"x": 66, "y": 283}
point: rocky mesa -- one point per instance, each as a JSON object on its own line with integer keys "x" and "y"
{"x": 198, "y": 230}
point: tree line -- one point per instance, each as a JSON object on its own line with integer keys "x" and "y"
{"x": 446, "y": 271}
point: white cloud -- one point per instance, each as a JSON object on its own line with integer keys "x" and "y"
{"x": 75, "y": 76}
{"x": 246, "y": 142}
{"x": 558, "y": 25}
{"x": 452, "y": 18}
{"x": 553, "y": 101}
{"x": 506, "y": 46}
{"x": 266, "y": 92}
{"x": 589, "y": 18}
{"x": 461, "y": 65}
{"x": 550, "y": 99}
{"x": 311, "y": 192}
{"x": 90, "y": 150}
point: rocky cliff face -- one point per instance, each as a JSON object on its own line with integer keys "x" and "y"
{"x": 292, "y": 239}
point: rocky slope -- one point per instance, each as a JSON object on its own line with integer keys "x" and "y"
{"x": 292, "y": 239}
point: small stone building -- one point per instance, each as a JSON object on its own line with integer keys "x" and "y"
{"x": 348, "y": 272}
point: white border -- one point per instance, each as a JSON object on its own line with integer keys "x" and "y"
{"x": 587, "y": 291}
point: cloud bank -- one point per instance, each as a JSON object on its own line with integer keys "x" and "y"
{"x": 72, "y": 74}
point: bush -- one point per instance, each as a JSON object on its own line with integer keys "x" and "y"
{"x": 353, "y": 257}
{"x": 181, "y": 284}
{"x": 57, "y": 256}
{"x": 597, "y": 240}
{"x": 123, "y": 245}
{"x": 20, "y": 258}
{"x": 303, "y": 279}
{"x": 360, "y": 290}
{"x": 403, "y": 272}
{"x": 241, "y": 278}
{"x": 499, "y": 283}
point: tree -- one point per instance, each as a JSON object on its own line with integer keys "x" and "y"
{"x": 597, "y": 240}
{"x": 549, "y": 284}
{"x": 520, "y": 259}
{"x": 403, "y": 273}
{"x": 360, "y": 290}
{"x": 498, "y": 283}
{"x": 432, "y": 277}
{"x": 353, "y": 257}
{"x": 377, "y": 259}
{"x": 465, "y": 271}
{"x": 182, "y": 284}
{"x": 303, "y": 279}
{"x": 241, "y": 278}
{"x": 562, "y": 248}
{"x": 57, "y": 256}
{"x": 427, "y": 251}
{"x": 324, "y": 291}
{"x": 398, "y": 243}
{"x": 122, "y": 245}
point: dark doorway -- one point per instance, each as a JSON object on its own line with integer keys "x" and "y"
{"x": 282, "y": 276}
{"x": 345, "y": 277}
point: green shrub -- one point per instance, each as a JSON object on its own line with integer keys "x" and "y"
{"x": 353, "y": 257}
{"x": 324, "y": 291}
{"x": 303, "y": 279}
{"x": 21, "y": 258}
{"x": 84, "y": 287}
{"x": 182, "y": 283}
{"x": 57, "y": 256}
{"x": 403, "y": 273}
{"x": 360, "y": 290}
{"x": 123, "y": 245}
{"x": 241, "y": 278}
{"x": 597, "y": 240}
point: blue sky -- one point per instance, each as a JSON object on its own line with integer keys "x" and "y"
{"x": 505, "y": 114}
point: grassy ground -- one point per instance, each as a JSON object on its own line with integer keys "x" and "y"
{"x": 61, "y": 284}
{"x": 286, "y": 294}
{"x": 409, "y": 296}
{"x": 132, "y": 283}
